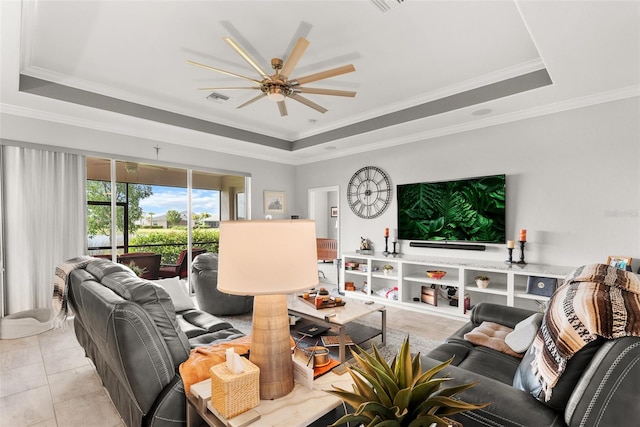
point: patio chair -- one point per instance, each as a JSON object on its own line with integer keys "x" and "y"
{"x": 180, "y": 268}
{"x": 204, "y": 277}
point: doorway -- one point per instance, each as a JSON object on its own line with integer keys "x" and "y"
{"x": 324, "y": 208}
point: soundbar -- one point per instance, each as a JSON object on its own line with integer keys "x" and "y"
{"x": 436, "y": 245}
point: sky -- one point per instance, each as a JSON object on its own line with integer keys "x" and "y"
{"x": 166, "y": 198}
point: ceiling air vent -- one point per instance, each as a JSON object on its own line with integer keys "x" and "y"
{"x": 387, "y": 5}
{"x": 217, "y": 97}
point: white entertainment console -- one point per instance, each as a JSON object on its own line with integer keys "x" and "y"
{"x": 508, "y": 281}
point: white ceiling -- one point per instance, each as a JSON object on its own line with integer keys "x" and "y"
{"x": 443, "y": 61}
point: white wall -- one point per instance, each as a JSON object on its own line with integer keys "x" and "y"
{"x": 573, "y": 178}
{"x": 323, "y": 200}
{"x": 572, "y": 181}
{"x": 320, "y": 213}
{"x": 332, "y": 201}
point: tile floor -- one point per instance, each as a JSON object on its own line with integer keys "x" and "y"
{"x": 46, "y": 381}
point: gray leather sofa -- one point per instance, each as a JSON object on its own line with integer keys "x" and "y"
{"x": 600, "y": 386}
{"x": 204, "y": 277}
{"x": 129, "y": 329}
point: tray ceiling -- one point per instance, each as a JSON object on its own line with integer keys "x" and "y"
{"x": 423, "y": 68}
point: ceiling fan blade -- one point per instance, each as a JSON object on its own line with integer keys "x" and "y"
{"x": 246, "y": 57}
{"x": 308, "y": 103}
{"x": 283, "y": 108}
{"x": 252, "y": 100}
{"x": 318, "y": 91}
{"x": 229, "y": 73}
{"x": 324, "y": 74}
{"x": 296, "y": 53}
{"x": 224, "y": 88}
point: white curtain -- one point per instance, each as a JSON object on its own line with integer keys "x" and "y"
{"x": 44, "y": 205}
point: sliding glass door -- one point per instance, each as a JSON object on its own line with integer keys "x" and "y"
{"x": 158, "y": 210}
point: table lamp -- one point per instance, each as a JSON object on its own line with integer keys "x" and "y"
{"x": 269, "y": 259}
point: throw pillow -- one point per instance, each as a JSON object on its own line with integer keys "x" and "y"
{"x": 524, "y": 333}
{"x": 491, "y": 335}
{"x": 178, "y": 293}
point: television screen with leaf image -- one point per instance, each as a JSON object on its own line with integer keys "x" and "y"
{"x": 465, "y": 210}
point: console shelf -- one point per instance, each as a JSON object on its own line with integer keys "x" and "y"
{"x": 405, "y": 284}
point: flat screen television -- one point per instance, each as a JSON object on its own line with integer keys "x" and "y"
{"x": 464, "y": 210}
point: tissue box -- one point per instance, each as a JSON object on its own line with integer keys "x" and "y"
{"x": 233, "y": 394}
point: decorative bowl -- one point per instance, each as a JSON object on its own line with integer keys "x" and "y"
{"x": 482, "y": 284}
{"x": 436, "y": 274}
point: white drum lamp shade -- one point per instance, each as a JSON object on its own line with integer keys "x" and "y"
{"x": 269, "y": 259}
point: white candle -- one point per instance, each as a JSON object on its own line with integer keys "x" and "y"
{"x": 511, "y": 244}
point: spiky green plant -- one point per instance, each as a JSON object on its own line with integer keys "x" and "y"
{"x": 138, "y": 270}
{"x": 401, "y": 394}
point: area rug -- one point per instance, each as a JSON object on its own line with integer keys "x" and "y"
{"x": 389, "y": 351}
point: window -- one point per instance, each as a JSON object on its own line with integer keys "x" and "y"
{"x": 152, "y": 212}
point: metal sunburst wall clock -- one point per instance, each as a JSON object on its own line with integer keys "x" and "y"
{"x": 369, "y": 192}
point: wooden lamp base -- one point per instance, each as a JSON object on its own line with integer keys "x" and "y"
{"x": 271, "y": 345}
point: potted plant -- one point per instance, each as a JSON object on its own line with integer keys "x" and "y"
{"x": 482, "y": 281}
{"x": 387, "y": 269}
{"x": 400, "y": 394}
{"x": 139, "y": 271}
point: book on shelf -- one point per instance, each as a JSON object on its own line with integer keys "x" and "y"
{"x": 334, "y": 340}
{"x": 312, "y": 330}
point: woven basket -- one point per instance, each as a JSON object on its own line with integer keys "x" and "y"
{"x": 233, "y": 394}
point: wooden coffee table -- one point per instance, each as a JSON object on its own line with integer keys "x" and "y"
{"x": 337, "y": 318}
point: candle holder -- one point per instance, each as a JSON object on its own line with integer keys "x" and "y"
{"x": 394, "y": 253}
{"x": 386, "y": 246}
{"x": 522, "y": 242}
{"x": 510, "y": 260}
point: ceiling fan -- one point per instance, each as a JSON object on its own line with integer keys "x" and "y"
{"x": 279, "y": 85}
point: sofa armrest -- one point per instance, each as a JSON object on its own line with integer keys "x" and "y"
{"x": 607, "y": 393}
{"x": 508, "y": 406}
{"x": 501, "y": 314}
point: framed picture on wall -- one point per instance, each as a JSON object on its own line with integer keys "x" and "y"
{"x": 623, "y": 263}
{"x": 274, "y": 202}
{"x": 334, "y": 211}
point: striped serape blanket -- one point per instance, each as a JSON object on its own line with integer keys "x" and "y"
{"x": 60, "y": 287}
{"x": 595, "y": 301}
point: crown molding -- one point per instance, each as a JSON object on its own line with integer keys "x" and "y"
{"x": 281, "y": 156}
{"x": 572, "y": 104}
{"x": 157, "y": 134}
{"x": 443, "y": 92}
{"x": 127, "y": 96}
{"x": 480, "y": 81}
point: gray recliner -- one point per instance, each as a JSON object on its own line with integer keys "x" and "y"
{"x": 204, "y": 274}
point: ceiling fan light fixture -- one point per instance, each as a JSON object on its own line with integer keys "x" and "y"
{"x": 276, "y": 94}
